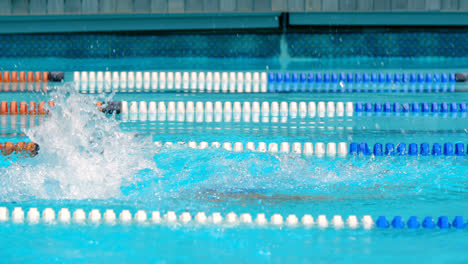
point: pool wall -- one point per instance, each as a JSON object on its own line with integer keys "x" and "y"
{"x": 110, "y": 15}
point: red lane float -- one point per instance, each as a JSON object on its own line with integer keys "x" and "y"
{"x": 29, "y": 149}
{"x": 24, "y": 108}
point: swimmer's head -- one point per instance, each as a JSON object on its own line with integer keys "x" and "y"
{"x": 32, "y": 149}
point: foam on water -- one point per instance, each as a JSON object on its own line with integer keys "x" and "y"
{"x": 83, "y": 155}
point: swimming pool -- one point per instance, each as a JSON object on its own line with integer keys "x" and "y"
{"x": 225, "y": 160}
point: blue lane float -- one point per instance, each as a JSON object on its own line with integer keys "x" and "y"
{"x": 397, "y": 107}
{"x": 443, "y": 222}
{"x": 412, "y": 149}
{"x": 369, "y": 77}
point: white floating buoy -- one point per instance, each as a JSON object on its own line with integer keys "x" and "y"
{"x": 349, "y": 108}
{"x": 140, "y": 216}
{"x": 342, "y": 149}
{"x": 245, "y": 218}
{"x": 33, "y": 216}
{"x": 263, "y": 77}
{"x": 100, "y": 80}
{"x": 154, "y": 81}
{"x": 302, "y": 109}
{"x": 180, "y": 108}
{"x": 201, "y": 218}
{"x": 367, "y": 222}
{"x": 110, "y": 217}
{"x": 124, "y": 107}
{"x": 293, "y": 109}
{"x": 262, "y": 147}
{"x": 284, "y": 147}
{"x": 162, "y": 80}
{"x": 146, "y": 81}
{"x": 273, "y": 147}
{"x": 48, "y": 215}
{"x": 227, "y": 146}
{"x": 320, "y": 149}
{"x": 322, "y": 221}
{"x": 340, "y": 108}
{"x": 123, "y": 81}
{"x": 170, "y": 81}
{"x": 133, "y": 107}
{"x": 92, "y": 81}
{"x": 337, "y": 221}
{"x": 261, "y": 220}
{"x": 115, "y": 81}
{"x": 238, "y": 147}
{"x": 296, "y": 148}
{"x": 17, "y": 215}
{"x": 185, "y": 218}
{"x": 321, "y": 108}
{"x": 4, "y": 214}
{"x": 331, "y": 149}
{"x": 312, "y": 109}
{"x": 292, "y": 220}
{"x": 265, "y": 109}
{"x": 131, "y": 81}
{"x": 308, "y": 148}
{"x": 125, "y": 217}
{"x": 307, "y": 220}
{"x": 64, "y": 216}
{"x": 79, "y": 216}
{"x": 170, "y": 217}
{"x": 84, "y": 81}
{"x": 250, "y": 146}
{"x": 284, "y": 109}
{"x": 277, "y": 219}
{"x": 331, "y": 107}
{"x": 155, "y": 217}
{"x": 142, "y": 107}
{"x": 94, "y": 216}
{"x": 274, "y": 109}
{"x": 216, "y": 218}
{"x": 138, "y": 80}
{"x": 231, "y": 218}
{"x": 203, "y": 145}
{"x": 76, "y": 77}
{"x": 152, "y": 109}
{"x": 352, "y": 221}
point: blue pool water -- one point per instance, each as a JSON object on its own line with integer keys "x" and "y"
{"x": 91, "y": 161}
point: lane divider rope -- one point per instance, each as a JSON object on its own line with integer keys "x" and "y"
{"x": 28, "y": 81}
{"x": 243, "y": 81}
{"x": 307, "y": 148}
{"x": 285, "y": 109}
{"x": 12, "y": 108}
{"x": 333, "y": 149}
{"x": 141, "y": 217}
{"x": 319, "y": 149}
{"x": 281, "y": 109}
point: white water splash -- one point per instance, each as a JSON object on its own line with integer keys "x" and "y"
{"x": 83, "y": 155}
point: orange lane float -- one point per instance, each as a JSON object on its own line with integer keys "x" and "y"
{"x": 24, "y": 108}
{"x": 13, "y": 76}
{"x": 29, "y": 149}
{"x": 4, "y": 108}
{"x": 22, "y": 77}
{"x": 13, "y": 108}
